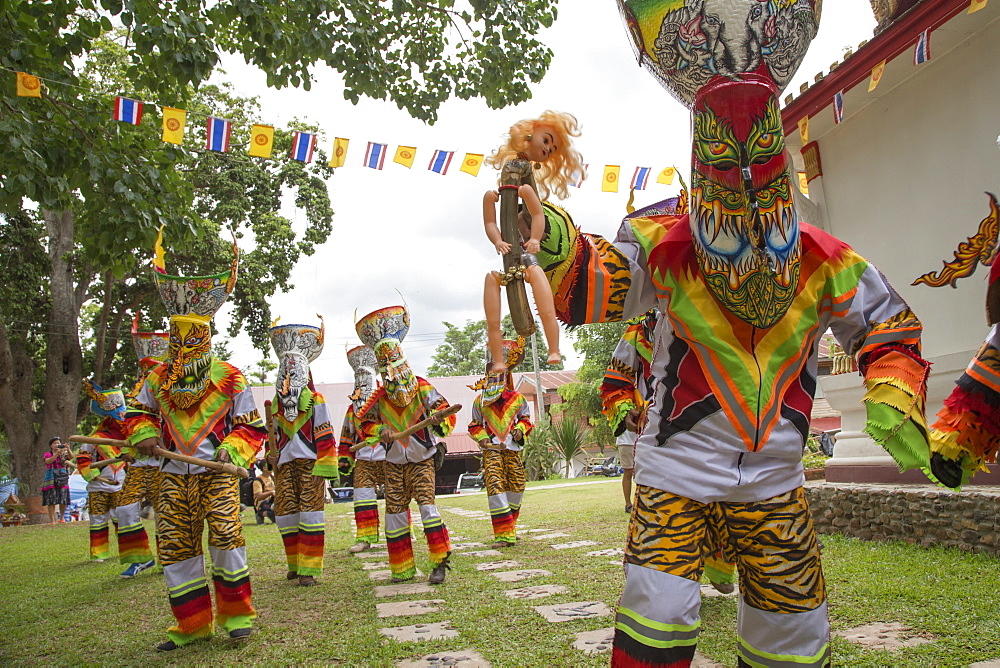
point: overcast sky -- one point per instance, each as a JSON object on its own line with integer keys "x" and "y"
{"x": 421, "y": 233}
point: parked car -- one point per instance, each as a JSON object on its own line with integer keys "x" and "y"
{"x": 470, "y": 482}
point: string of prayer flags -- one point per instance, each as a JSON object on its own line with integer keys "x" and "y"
{"x": 583, "y": 175}
{"x": 405, "y": 156}
{"x": 261, "y": 141}
{"x": 640, "y": 178}
{"x": 440, "y": 162}
{"x": 838, "y": 107}
{"x": 303, "y": 144}
{"x": 609, "y": 183}
{"x": 219, "y": 130}
{"x": 375, "y": 155}
{"x": 804, "y": 129}
{"x": 127, "y": 110}
{"x": 877, "y": 72}
{"x": 666, "y": 177}
{"x": 339, "y": 153}
{"x": 173, "y": 125}
{"x": 922, "y": 52}
{"x": 28, "y": 85}
{"x": 472, "y": 163}
{"x": 976, "y": 5}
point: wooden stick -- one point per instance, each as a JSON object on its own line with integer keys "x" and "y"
{"x": 224, "y": 467}
{"x": 423, "y": 424}
{"x": 271, "y": 444}
{"x": 105, "y": 462}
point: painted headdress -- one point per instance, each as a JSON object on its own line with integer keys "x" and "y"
{"x": 150, "y": 347}
{"x": 296, "y": 346}
{"x": 728, "y": 61}
{"x": 106, "y": 403}
{"x": 191, "y": 303}
{"x": 362, "y": 361}
{"x": 495, "y": 382}
{"x": 382, "y": 331}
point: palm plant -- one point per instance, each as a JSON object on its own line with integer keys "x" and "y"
{"x": 537, "y": 454}
{"x": 568, "y": 439}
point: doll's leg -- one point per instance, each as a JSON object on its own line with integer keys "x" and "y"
{"x": 494, "y": 335}
{"x": 546, "y": 310}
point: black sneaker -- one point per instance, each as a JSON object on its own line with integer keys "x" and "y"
{"x": 440, "y": 571}
{"x": 168, "y": 646}
{"x": 241, "y": 634}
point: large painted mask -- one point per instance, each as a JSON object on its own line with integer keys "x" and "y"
{"x": 495, "y": 382}
{"x": 106, "y": 403}
{"x": 728, "y": 61}
{"x": 382, "y": 331}
{"x": 150, "y": 347}
{"x": 296, "y": 346}
{"x": 191, "y": 303}
{"x": 362, "y": 361}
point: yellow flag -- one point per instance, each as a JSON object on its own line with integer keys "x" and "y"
{"x": 173, "y": 125}
{"x": 803, "y": 183}
{"x": 261, "y": 141}
{"x": 976, "y": 5}
{"x": 339, "y": 152}
{"x": 666, "y": 177}
{"x": 405, "y": 155}
{"x": 158, "y": 253}
{"x": 472, "y": 163}
{"x": 804, "y": 129}
{"x": 28, "y": 85}
{"x": 609, "y": 183}
{"x": 876, "y": 76}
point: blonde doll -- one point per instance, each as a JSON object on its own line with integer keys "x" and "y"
{"x": 540, "y": 156}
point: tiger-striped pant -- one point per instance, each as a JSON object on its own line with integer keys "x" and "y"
{"x": 403, "y": 483}
{"x": 367, "y": 477}
{"x": 100, "y": 505}
{"x": 782, "y": 614}
{"x": 186, "y": 503}
{"x": 504, "y": 475}
{"x": 141, "y": 482}
{"x": 298, "y": 511}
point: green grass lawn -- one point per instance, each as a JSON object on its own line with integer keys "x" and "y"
{"x": 58, "y": 609}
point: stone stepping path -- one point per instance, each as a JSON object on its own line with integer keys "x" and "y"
{"x": 482, "y": 553}
{"x": 538, "y": 591}
{"x": 407, "y": 608}
{"x": 385, "y": 575}
{"x": 564, "y": 612}
{"x": 595, "y": 642}
{"x": 496, "y": 565}
{"x": 548, "y": 536}
{"x": 612, "y": 552}
{"x": 369, "y": 554}
{"x": 465, "y": 546}
{"x": 883, "y": 635}
{"x": 374, "y": 565}
{"x": 407, "y": 588}
{"x": 993, "y": 663}
{"x": 538, "y": 531}
{"x": 574, "y": 543}
{"x": 420, "y": 632}
{"x": 459, "y": 659}
{"x": 517, "y": 576}
{"x": 468, "y": 514}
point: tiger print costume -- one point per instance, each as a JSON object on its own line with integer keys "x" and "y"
{"x": 299, "y": 497}
{"x": 102, "y": 496}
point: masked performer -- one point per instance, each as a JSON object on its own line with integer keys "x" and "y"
{"x": 306, "y": 451}
{"x": 142, "y": 478}
{"x": 404, "y": 400}
{"x": 500, "y": 423}
{"x": 104, "y": 484}
{"x": 546, "y": 143}
{"x": 625, "y": 395}
{"x": 745, "y": 292}
{"x": 205, "y": 409}
{"x": 369, "y": 460}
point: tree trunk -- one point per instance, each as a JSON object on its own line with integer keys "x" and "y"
{"x": 16, "y": 373}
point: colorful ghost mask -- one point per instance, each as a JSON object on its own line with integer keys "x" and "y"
{"x": 191, "y": 303}
{"x": 362, "y": 361}
{"x": 728, "y": 61}
{"x": 494, "y": 384}
{"x": 382, "y": 331}
{"x": 150, "y": 347}
{"x": 106, "y": 403}
{"x": 296, "y": 346}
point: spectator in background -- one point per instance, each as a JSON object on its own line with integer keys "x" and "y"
{"x": 55, "y": 485}
{"x": 263, "y": 495}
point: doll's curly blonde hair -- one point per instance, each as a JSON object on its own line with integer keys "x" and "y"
{"x": 561, "y": 168}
